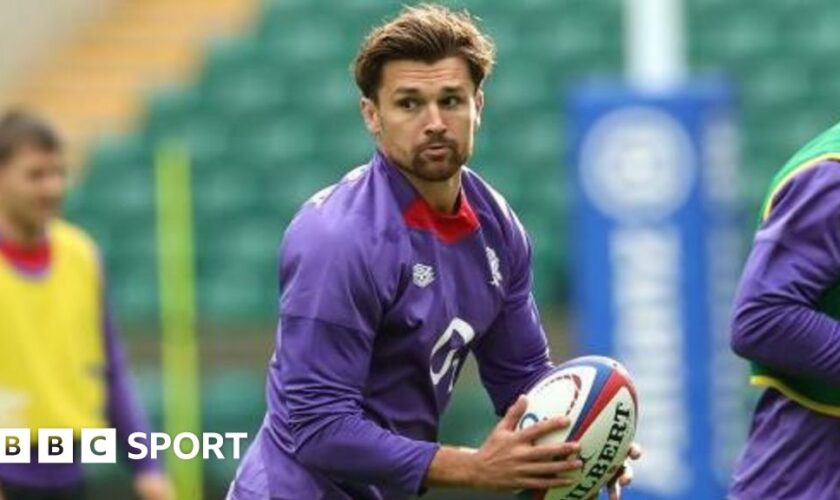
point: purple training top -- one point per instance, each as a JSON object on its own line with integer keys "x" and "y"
{"x": 382, "y": 299}
{"x": 792, "y": 452}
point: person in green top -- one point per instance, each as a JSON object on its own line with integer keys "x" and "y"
{"x": 785, "y": 322}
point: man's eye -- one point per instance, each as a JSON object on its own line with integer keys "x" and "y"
{"x": 407, "y": 104}
{"x": 451, "y": 101}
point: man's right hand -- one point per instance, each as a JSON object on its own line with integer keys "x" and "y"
{"x": 509, "y": 459}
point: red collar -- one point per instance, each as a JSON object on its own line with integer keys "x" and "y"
{"x": 448, "y": 227}
{"x": 30, "y": 259}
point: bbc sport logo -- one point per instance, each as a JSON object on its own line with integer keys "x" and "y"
{"x": 99, "y": 446}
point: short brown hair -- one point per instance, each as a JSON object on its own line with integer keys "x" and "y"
{"x": 425, "y": 33}
{"x": 20, "y": 128}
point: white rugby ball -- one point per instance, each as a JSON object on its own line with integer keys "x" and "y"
{"x": 597, "y": 395}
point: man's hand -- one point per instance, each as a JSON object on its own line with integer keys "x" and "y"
{"x": 509, "y": 459}
{"x": 625, "y": 475}
{"x": 152, "y": 486}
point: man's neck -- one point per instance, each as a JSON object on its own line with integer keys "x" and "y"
{"x": 441, "y": 196}
{"x": 17, "y": 234}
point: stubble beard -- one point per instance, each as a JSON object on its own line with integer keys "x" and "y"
{"x": 434, "y": 171}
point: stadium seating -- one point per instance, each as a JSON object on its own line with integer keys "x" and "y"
{"x": 273, "y": 117}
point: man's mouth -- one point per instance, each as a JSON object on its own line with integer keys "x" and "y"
{"x": 438, "y": 150}
{"x": 437, "y": 153}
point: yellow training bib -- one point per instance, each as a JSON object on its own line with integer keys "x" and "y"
{"x": 52, "y": 343}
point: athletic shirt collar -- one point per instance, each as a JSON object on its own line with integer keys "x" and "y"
{"x": 418, "y": 214}
{"x": 30, "y": 260}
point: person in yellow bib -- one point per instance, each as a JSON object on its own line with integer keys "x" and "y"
{"x": 62, "y": 363}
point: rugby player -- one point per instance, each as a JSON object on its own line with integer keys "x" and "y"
{"x": 62, "y": 362}
{"x": 388, "y": 280}
{"x": 786, "y": 321}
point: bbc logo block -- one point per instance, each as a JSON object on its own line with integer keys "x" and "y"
{"x": 14, "y": 446}
{"x": 55, "y": 446}
{"x": 99, "y": 446}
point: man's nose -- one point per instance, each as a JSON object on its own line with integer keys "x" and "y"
{"x": 435, "y": 124}
{"x": 54, "y": 185}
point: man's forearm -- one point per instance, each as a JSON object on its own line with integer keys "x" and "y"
{"x": 796, "y": 339}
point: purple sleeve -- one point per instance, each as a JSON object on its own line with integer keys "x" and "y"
{"x": 794, "y": 260}
{"x": 330, "y": 311}
{"x": 513, "y": 354}
{"x": 123, "y": 411}
{"x": 324, "y": 367}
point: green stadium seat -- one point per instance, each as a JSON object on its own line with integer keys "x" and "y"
{"x": 229, "y": 55}
{"x": 231, "y": 291}
{"x": 731, "y": 39}
{"x": 306, "y": 180}
{"x": 110, "y": 150}
{"x": 344, "y": 145}
{"x": 814, "y": 32}
{"x": 230, "y": 394}
{"x": 302, "y": 40}
{"x": 523, "y": 86}
{"x": 568, "y": 40}
{"x": 358, "y": 17}
{"x": 125, "y": 191}
{"x": 532, "y": 143}
{"x": 826, "y": 88}
{"x": 233, "y": 400}
{"x": 134, "y": 291}
{"x": 252, "y": 239}
{"x": 550, "y": 247}
{"x": 173, "y": 103}
{"x": 779, "y": 83}
{"x": 226, "y": 191}
{"x": 274, "y": 143}
{"x": 546, "y": 194}
{"x": 245, "y": 94}
{"x": 205, "y": 135}
{"x": 131, "y": 248}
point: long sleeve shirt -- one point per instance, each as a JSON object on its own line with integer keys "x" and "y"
{"x": 382, "y": 298}
{"x": 792, "y": 451}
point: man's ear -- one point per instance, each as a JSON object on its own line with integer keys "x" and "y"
{"x": 479, "y": 106}
{"x": 370, "y": 115}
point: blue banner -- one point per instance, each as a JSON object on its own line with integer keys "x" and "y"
{"x": 656, "y": 255}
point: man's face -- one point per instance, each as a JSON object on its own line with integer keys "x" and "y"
{"x": 425, "y": 116}
{"x": 32, "y": 186}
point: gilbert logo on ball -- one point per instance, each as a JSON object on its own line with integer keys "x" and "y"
{"x": 597, "y": 395}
